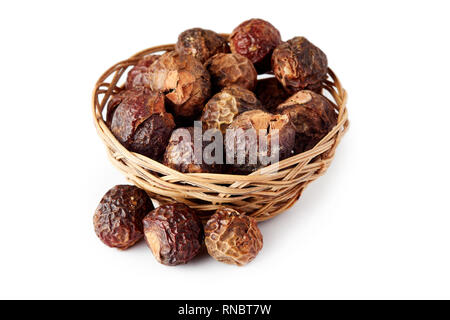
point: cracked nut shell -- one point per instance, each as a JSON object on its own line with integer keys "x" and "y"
{"x": 260, "y": 125}
{"x": 118, "y": 217}
{"x": 255, "y": 39}
{"x": 232, "y": 238}
{"x": 298, "y": 64}
{"x": 174, "y": 233}
{"x": 183, "y": 79}
{"x": 228, "y": 69}
{"x": 224, "y": 106}
{"x": 201, "y": 43}
{"x": 271, "y": 93}
{"x": 180, "y": 154}
{"x": 312, "y": 115}
{"x": 138, "y": 119}
{"x": 137, "y": 76}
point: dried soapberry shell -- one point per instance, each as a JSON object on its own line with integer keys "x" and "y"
{"x": 174, "y": 233}
{"x": 255, "y": 39}
{"x": 271, "y": 93}
{"x": 118, "y": 218}
{"x": 228, "y": 69}
{"x": 312, "y": 115}
{"x": 201, "y": 44}
{"x": 180, "y": 153}
{"x": 259, "y": 125}
{"x": 138, "y": 119}
{"x": 232, "y": 238}
{"x": 224, "y": 106}
{"x": 137, "y": 76}
{"x": 298, "y": 64}
{"x": 183, "y": 79}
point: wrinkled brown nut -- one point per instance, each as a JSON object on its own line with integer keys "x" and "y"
{"x": 224, "y": 106}
{"x": 232, "y": 238}
{"x": 138, "y": 119}
{"x": 183, "y": 79}
{"x": 137, "y": 76}
{"x": 298, "y": 64}
{"x": 271, "y": 93}
{"x": 118, "y": 218}
{"x": 228, "y": 69}
{"x": 252, "y": 140}
{"x": 255, "y": 39}
{"x": 180, "y": 153}
{"x": 174, "y": 233}
{"x": 312, "y": 115}
{"x": 201, "y": 44}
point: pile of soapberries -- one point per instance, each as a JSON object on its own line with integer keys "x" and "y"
{"x": 251, "y": 80}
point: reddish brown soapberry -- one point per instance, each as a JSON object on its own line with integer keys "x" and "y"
{"x": 183, "y": 79}
{"x": 118, "y": 218}
{"x": 201, "y": 44}
{"x": 138, "y": 119}
{"x": 298, "y": 64}
{"x": 228, "y": 69}
{"x": 255, "y": 39}
{"x": 312, "y": 115}
{"x": 224, "y": 106}
{"x": 271, "y": 93}
{"x": 180, "y": 153}
{"x": 232, "y": 238}
{"x": 137, "y": 76}
{"x": 249, "y": 140}
{"x": 174, "y": 233}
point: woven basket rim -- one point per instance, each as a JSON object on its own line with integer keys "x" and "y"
{"x": 137, "y": 167}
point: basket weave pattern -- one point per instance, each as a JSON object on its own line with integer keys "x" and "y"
{"x": 262, "y": 194}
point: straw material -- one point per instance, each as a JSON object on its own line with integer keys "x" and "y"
{"x": 262, "y": 194}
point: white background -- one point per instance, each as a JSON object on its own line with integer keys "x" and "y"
{"x": 377, "y": 225}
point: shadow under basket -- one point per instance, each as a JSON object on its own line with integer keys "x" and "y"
{"x": 262, "y": 194}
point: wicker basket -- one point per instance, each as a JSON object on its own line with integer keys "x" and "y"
{"x": 261, "y": 195}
